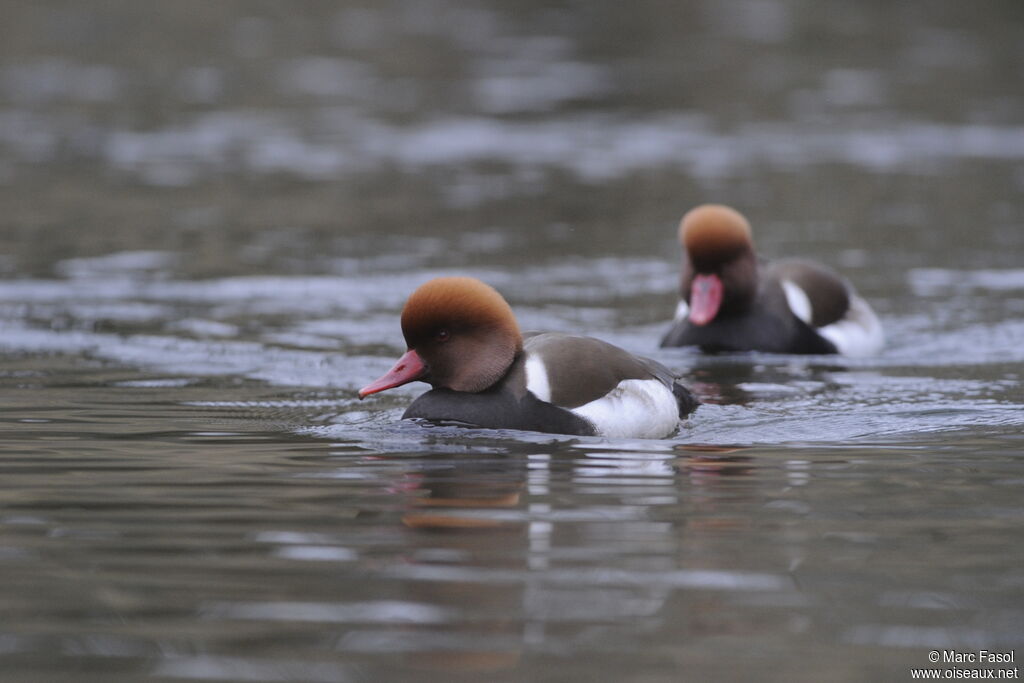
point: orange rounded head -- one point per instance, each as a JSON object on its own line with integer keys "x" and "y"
{"x": 461, "y": 335}
{"x": 713, "y": 234}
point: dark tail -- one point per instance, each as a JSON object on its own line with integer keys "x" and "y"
{"x": 687, "y": 401}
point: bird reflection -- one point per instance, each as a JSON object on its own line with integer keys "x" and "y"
{"x": 741, "y": 379}
{"x": 550, "y": 539}
{"x": 460, "y": 495}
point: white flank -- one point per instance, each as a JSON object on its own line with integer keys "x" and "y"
{"x": 798, "y": 301}
{"x": 859, "y": 333}
{"x": 636, "y": 408}
{"x": 682, "y": 311}
{"x": 537, "y": 377}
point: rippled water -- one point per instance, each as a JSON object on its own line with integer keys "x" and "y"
{"x": 213, "y": 214}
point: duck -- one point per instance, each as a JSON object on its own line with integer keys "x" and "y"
{"x": 463, "y": 340}
{"x": 730, "y": 301}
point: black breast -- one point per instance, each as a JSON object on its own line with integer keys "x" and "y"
{"x": 497, "y": 408}
{"x": 506, "y": 405}
{"x": 767, "y": 325}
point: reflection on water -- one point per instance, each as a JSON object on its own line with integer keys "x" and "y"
{"x": 229, "y": 553}
{"x": 213, "y": 214}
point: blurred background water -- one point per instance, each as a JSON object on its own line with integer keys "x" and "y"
{"x": 213, "y": 212}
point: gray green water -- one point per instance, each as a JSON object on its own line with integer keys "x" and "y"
{"x": 213, "y": 212}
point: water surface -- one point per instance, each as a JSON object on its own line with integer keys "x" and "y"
{"x": 214, "y": 213}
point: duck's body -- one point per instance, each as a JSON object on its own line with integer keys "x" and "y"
{"x": 729, "y": 301}
{"x": 569, "y": 385}
{"x": 486, "y": 374}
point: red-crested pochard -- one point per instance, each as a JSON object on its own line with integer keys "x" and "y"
{"x": 464, "y": 341}
{"x": 731, "y": 302}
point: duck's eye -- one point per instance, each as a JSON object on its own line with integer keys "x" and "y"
{"x": 442, "y": 335}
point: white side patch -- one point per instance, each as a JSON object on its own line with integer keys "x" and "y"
{"x": 537, "y": 377}
{"x": 682, "y": 311}
{"x": 636, "y": 408}
{"x": 798, "y": 301}
{"x": 859, "y": 333}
